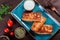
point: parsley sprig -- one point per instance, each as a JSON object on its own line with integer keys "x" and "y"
{"x": 3, "y": 10}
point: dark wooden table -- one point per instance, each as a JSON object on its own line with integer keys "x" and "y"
{"x": 47, "y": 3}
{"x": 13, "y": 3}
{"x": 3, "y": 23}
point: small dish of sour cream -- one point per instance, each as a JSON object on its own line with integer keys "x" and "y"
{"x": 29, "y": 5}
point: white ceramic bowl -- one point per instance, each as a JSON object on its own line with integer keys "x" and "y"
{"x": 29, "y": 5}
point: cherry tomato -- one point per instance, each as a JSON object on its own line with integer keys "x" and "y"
{"x": 11, "y": 33}
{"x": 10, "y": 23}
{"x": 6, "y": 30}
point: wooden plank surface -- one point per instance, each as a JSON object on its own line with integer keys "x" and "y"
{"x": 3, "y": 23}
{"x": 13, "y": 3}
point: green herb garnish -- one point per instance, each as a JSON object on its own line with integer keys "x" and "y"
{"x": 1, "y": 18}
{"x": 3, "y": 10}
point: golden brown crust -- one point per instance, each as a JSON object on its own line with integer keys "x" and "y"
{"x": 37, "y": 25}
{"x": 32, "y": 16}
{"x": 46, "y": 29}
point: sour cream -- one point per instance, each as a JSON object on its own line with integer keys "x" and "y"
{"x": 29, "y": 5}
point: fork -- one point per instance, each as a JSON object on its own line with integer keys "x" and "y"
{"x": 55, "y": 10}
{"x": 52, "y": 7}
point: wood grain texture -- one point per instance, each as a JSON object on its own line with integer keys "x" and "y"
{"x": 3, "y": 23}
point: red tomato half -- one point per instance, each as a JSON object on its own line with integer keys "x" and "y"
{"x": 6, "y": 30}
{"x": 10, "y": 23}
{"x": 11, "y": 33}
